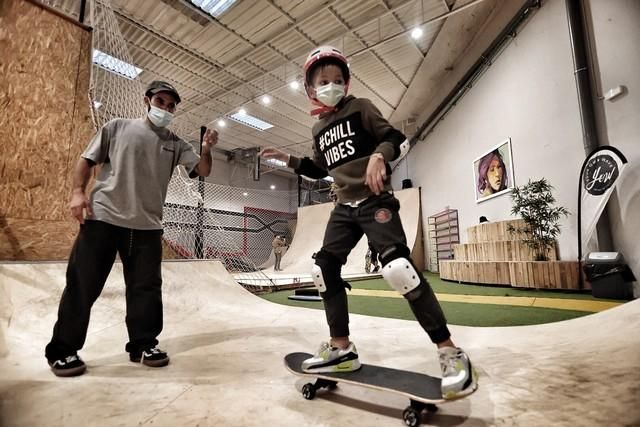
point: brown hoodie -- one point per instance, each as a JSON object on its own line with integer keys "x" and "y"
{"x": 342, "y": 143}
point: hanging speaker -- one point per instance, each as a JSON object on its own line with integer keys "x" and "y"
{"x": 406, "y": 183}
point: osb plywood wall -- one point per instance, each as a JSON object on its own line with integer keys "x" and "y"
{"x": 44, "y": 126}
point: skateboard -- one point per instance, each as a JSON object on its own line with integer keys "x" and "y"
{"x": 422, "y": 390}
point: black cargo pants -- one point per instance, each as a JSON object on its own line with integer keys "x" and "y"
{"x": 90, "y": 262}
{"x": 377, "y": 217}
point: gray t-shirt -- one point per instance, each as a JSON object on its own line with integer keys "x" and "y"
{"x": 137, "y": 164}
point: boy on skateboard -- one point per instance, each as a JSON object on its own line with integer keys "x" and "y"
{"x": 354, "y": 144}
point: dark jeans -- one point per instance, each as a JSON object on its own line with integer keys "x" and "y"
{"x": 378, "y": 217}
{"x": 90, "y": 262}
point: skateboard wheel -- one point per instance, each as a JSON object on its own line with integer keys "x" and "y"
{"x": 411, "y": 417}
{"x": 308, "y": 391}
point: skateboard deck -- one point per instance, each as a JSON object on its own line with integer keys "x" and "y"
{"x": 422, "y": 390}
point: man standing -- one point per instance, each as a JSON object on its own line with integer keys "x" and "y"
{"x": 278, "y": 245}
{"x": 123, "y": 216}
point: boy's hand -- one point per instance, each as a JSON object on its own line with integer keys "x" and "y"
{"x": 376, "y": 173}
{"x": 274, "y": 153}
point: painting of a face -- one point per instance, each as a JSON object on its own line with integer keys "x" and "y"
{"x": 493, "y": 172}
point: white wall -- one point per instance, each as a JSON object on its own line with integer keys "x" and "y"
{"x": 616, "y": 34}
{"x": 529, "y": 95}
{"x": 239, "y": 175}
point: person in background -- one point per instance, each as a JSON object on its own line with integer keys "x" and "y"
{"x": 372, "y": 263}
{"x": 278, "y": 245}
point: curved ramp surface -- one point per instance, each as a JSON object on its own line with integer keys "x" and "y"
{"x": 312, "y": 222}
{"x": 227, "y": 348}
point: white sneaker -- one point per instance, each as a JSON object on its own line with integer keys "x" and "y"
{"x": 332, "y": 359}
{"x": 459, "y": 379}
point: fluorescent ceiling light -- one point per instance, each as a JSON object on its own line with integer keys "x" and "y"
{"x": 252, "y": 122}
{"x": 266, "y": 100}
{"x": 115, "y": 65}
{"x": 273, "y": 187}
{"x": 214, "y": 8}
{"x": 276, "y": 162}
{"x": 416, "y": 33}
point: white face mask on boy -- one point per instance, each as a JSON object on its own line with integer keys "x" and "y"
{"x": 159, "y": 117}
{"x": 330, "y": 94}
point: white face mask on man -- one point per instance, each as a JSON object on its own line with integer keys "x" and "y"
{"x": 159, "y": 117}
{"x": 330, "y": 94}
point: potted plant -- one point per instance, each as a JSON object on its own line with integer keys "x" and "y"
{"x": 534, "y": 203}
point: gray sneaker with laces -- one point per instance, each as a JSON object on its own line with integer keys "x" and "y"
{"x": 459, "y": 378}
{"x": 332, "y": 359}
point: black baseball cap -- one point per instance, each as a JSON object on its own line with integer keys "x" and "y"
{"x": 160, "y": 86}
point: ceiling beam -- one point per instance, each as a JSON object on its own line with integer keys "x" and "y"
{"x": 365, "y": 44}
{"x": 395, "y": 16}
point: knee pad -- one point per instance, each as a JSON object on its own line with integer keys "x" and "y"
{"x": 326, "y": 274}
{"x": 318, "y": 278}
{"x": 399, "y": 271}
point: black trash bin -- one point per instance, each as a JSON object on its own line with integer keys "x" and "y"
{"x": 609, "y": 275}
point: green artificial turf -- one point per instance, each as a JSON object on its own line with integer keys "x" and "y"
{"x": 456, "y": 313}
{"x": 444, "y": 287}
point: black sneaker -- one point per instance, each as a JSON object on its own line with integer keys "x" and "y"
{"x": 153, "y": 357}
{"x": 69, "y": 366}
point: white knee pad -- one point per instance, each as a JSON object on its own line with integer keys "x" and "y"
{"x": 401, "y": 275}
{"x": 318, "y": 278}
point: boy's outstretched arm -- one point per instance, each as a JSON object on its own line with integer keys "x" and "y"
{"x": 304, "y": 166}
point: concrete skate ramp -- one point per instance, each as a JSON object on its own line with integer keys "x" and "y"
{"x": 6, "y": 311}
{"x": 312, "y": 221}
{"x": 226, "y": 369}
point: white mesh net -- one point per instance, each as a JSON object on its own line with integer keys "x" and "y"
{"x": 201, "y": 220}
{"x": 237, "y": 226}
{"x": 115, "y": 89}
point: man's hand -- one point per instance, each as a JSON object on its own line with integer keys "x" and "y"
{"x": 210, "y": 139}
{"x": 274, "y": 153}
{"x": 376, "y": 173}
{"x": 78, "y": 204}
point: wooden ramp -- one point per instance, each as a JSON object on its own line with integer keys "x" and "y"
{"x": 494, "y": 256}
{"x": 312, "y": 221}
{"x": 227, "y": 345}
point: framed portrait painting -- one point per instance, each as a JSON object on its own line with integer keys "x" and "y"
{"x": 493, "y": 172}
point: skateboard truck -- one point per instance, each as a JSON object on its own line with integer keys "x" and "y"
{"x": 412, "y": 413}
{"x": 309, "y": 389}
